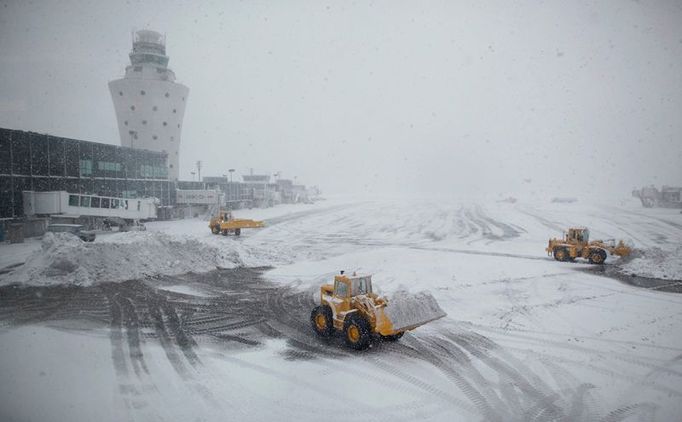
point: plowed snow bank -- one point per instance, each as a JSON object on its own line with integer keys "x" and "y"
{"x": 654, "y": 263}
{"x": 64, "y": 258}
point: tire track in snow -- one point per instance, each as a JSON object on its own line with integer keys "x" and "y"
{"x": 477, "y": 374}
{"x": 484, "y": 253}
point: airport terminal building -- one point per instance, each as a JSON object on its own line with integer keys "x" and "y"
{"x": 38, "y": 162}
{"x": 44, "y": 163}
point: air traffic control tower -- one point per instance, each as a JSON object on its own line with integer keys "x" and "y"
{"x": 149, "y": 103}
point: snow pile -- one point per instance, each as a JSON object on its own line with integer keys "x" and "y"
{"x": 654, "y": 263}
{"x": 64, "y": 258}
{"x": 409, "y": 309}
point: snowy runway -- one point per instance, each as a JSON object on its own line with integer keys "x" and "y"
{"x": 526, "y": 338}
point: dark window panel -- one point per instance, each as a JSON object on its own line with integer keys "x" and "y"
{"x": 5, "y": 184}
{"x": 5, "y": 135}
{"x": 5, "y": 153}
{"x": 72, "y": 158}
{"x": 56, "y": 156}
{"x": 22, "y": 183}
{"x": 41, "y": 184}
{"x": 39, "y": 155}
{"x": 6, "y": 196}
{"x": 85, "y": 186}
{"x": 71, "y": 185}
{"x": 56, "y": 183}
{"x": 5, "y": 162}
{"x": 21, "y": 154}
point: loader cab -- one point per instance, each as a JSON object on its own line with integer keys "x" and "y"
{"x": 361, "y": 285}
{"x": 341, "y": 287}
{"x": 578, "y": 234}
{"x": 345, "y": 286}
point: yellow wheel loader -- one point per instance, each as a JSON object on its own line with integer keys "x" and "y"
{"x": 224, "y": 223}
{"x": 576, "y": 244}
{"x": 351, "y": 307}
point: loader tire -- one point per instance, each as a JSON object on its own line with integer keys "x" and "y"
{"x": 356, "y": 331}
{"x": 561, "y": 254}
{"x": 237, "y": 232}
{"x": 215, "y": 229}
{"x": 393, "y": 337}
{"x": 321, "y": 320}
{"x": 225, "y": 232}
{"x": 597, "y": 256}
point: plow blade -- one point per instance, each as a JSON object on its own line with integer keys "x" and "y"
{"x": 239, "y": 223}
{"x": 622, "y": 249}
{"x": 406, "y": 311}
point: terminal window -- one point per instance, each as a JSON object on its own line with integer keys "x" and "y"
{"x": 85, "y": 167}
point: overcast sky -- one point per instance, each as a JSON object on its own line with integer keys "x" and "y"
{"x": 367, "y": 97}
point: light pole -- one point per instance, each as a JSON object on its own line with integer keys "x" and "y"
{"x": 226, "y": 189}
{"x": 192, "y": 173}
{"x": 232, "y": 194}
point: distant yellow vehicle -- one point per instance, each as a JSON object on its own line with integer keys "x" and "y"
{"x": 224, "y": 223}
{"x": 576, "y": 244}
{"x": 350, "y": 306}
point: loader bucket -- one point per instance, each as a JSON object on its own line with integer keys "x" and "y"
{"x": 406, "y": 311}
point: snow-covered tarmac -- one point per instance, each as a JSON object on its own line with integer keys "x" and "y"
{"x": 526, "y": 337}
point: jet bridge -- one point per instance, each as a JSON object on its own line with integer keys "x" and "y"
{"x": 61, "y": 202}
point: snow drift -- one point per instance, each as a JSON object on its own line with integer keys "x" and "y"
{"x": 63, "y": 258}
{"x": 654, "y": 263}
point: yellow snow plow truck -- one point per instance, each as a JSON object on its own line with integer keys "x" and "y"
{"x": 351, "y": 307}
{"x": 224, "y": 223}
{"x": 576, "y": 244}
